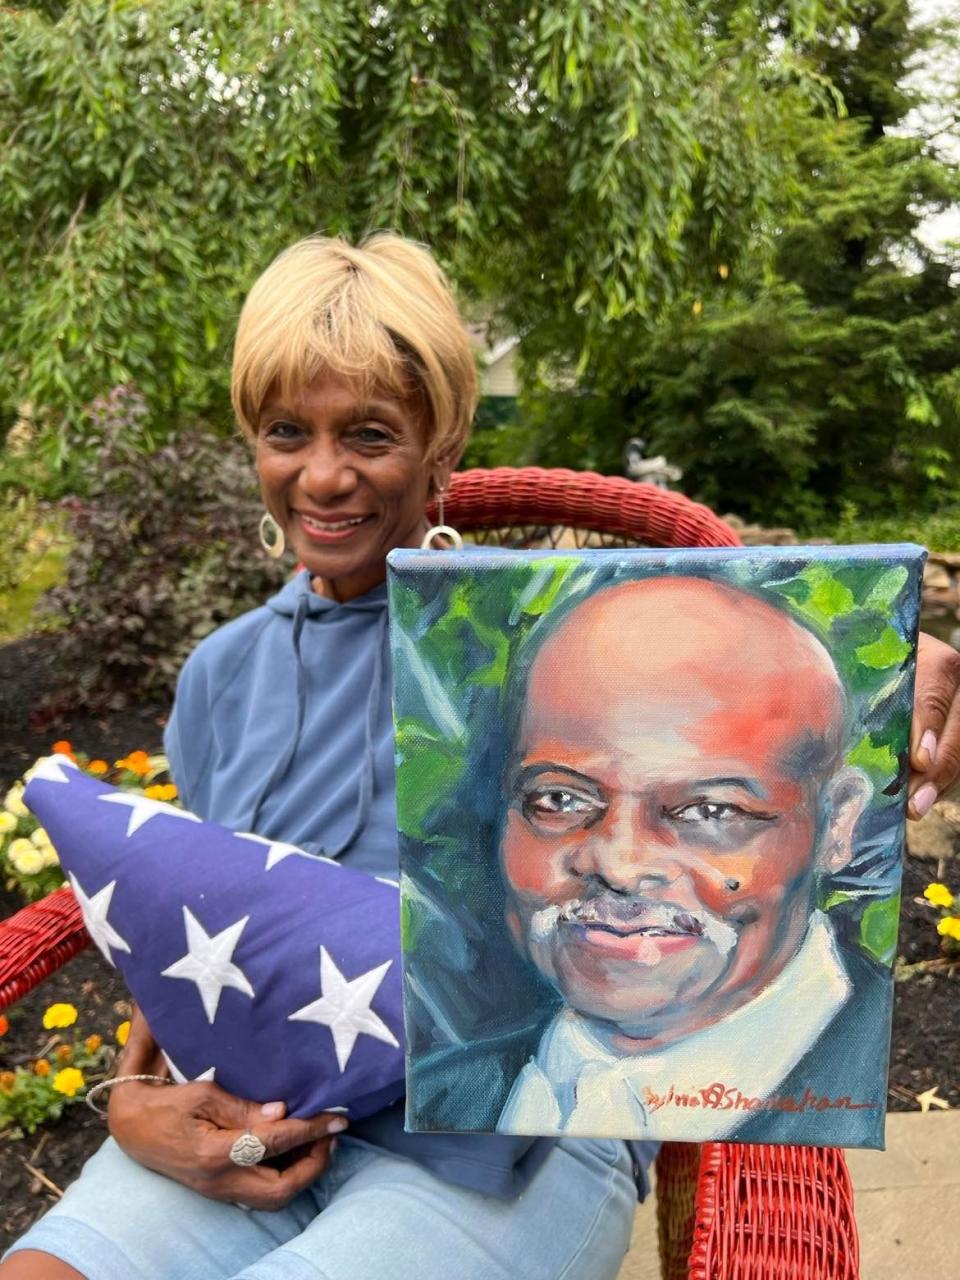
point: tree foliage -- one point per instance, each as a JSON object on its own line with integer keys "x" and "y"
{"x": 830, "y": 376}
{"x": 570, "y": 161}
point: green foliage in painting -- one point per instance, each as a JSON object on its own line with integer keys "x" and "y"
{"x": 462, "y": 641}
{"x": 878, "y": 928}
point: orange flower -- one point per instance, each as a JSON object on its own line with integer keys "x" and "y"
{"x": 62, "y": 748}
{"x": 64, "y": 1053}
{"x": 92, "y": 1043}
{"x": 137, "y": 762}
{"x": 4, "y": 1024}
{"x": 7, "y": 1081}
{"x": 122, "y": 1033}
{"x": 41, "y": 1067}
{"x": 97, "y": 767}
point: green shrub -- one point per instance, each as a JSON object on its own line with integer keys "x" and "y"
{"x": 937, "y": 530}
{"x": 19, "y": 518}
{"x": 165, "y": 549}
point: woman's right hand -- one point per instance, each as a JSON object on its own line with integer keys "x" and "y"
{"x": 186, "y": 1131}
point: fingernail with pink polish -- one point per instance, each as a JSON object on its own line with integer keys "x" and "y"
{"x": 272, "y": 1110}
{"x": 924, "y": 799}
{"x": 928, "y": 743}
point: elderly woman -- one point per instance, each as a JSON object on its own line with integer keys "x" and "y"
{"x": 353, "y": 379}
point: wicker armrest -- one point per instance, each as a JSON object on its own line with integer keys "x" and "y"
{"x": 744, "y": 1211}
{"x": 36, "y": 941}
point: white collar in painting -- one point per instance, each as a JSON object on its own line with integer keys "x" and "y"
{"x": 751, "y": 1050}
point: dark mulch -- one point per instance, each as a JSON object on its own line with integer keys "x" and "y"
{"x": 924, "y": 1050}
{"x": 924, "y": 1031}
{"x": 26, "y": 680}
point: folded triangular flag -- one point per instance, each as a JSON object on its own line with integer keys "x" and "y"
{"x": 272, "y": 971}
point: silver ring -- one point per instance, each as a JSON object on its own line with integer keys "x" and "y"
{"x": 247, "y": 1150}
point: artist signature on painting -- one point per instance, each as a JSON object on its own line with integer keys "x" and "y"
{"x": 723, "y": 1097}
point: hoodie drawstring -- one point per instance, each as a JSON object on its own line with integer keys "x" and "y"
{"x": 283, "y": 764}
{"x": 366, "y": 772}
{"x": 365, "y": 790}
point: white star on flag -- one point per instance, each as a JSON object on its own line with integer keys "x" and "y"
{"x": 95, "y": 918}
{"x": 276, "y": 849}
{"x": 209, "y": 962}
{"x": 143, "y": 809}
{"x": 181, "y": 1078}
{"x": 344, "y": 1007}
{"x": 50, "y": 768}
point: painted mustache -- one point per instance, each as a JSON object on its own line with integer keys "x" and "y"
{"x": 631, "y": 916}
{"x": 634, "y": 915}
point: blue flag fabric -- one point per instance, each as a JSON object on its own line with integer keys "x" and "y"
{"x": 272, "y": 971}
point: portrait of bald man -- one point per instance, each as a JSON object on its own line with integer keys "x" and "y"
{"x": 676, "y": 794}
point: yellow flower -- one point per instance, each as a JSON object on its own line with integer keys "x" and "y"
{"x": 59, "y": 1015}
{"x": 723, "y": 271}
{"x": 69, "y": 1081}
{"x": 949, "y": 927}
{"x": 50, "y": 856}
{"x": 64, "y": 1053}
{"x": 939, "y": 895}
{"x": 156, "y": 792}
{"x": 7, "y": 1081}
{"x": 13, "y": 801}
{"x": 97, "y": 768}
{"x": 8, "y": 823}
{"x": 697, "y": 307}
{"x": 122, "y": 1033}
{"x": 33, "y": 769}
{"x": 160, "y": 791}
{"x": 41, "y": 1067}
{"x": 92, "y": 1043}
{"x": 44, "y": 846}
{"x": 25, "y": 857}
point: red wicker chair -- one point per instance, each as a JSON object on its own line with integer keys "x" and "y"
{"x": 726, "y": 1211}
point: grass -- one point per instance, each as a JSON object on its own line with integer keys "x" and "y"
{"x": 47, "y": 557}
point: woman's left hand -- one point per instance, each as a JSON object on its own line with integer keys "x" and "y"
{"x": 935, "y": 730}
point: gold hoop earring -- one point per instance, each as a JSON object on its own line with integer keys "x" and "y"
{"x": 271, "y": 537}
{"x": 441, "y": 530}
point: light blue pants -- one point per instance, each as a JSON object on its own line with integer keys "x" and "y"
{"x": 373, "y": 1216}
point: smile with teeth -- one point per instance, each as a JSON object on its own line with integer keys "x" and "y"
{"x": 331, "y": 526}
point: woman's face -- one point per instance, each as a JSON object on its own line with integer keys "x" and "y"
{"x": 346, "y": 479}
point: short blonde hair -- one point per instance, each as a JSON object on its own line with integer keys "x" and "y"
{"x": 382, "y": 313}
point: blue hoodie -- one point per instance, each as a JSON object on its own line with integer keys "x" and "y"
{"x": 282, "y": 725}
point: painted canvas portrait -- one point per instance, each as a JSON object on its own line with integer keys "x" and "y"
{"x": 651, "y": 810}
